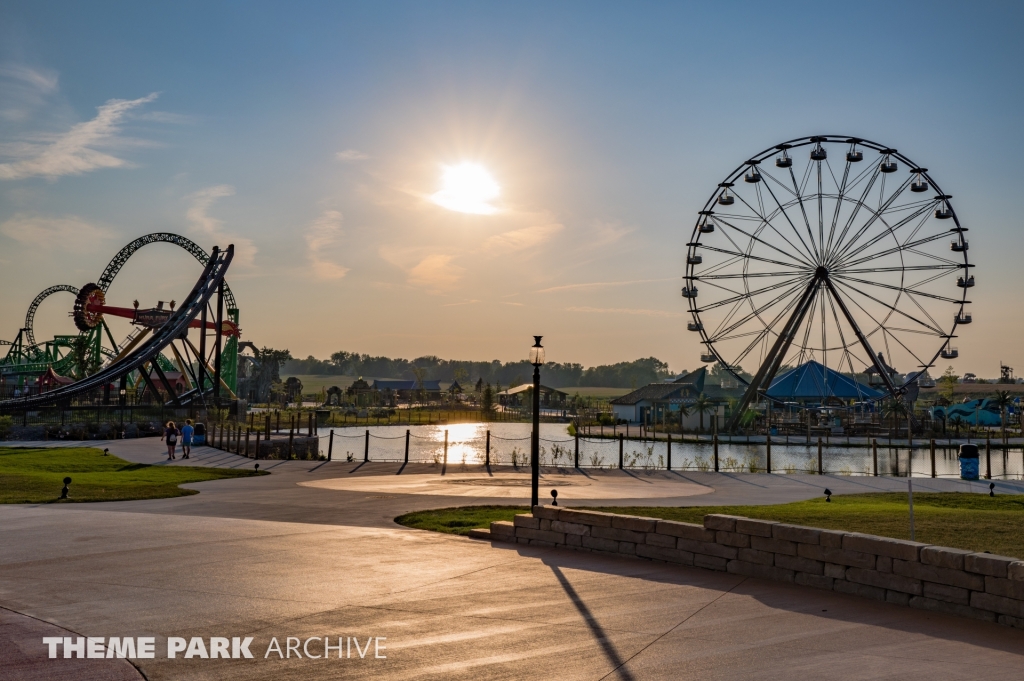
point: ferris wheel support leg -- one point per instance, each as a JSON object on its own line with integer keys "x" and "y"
{"x": 771, "y": 363}
{"x": 171, "y": 392}
{"x": 896, "y": 395}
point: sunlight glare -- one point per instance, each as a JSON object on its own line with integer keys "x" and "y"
{"x": 467, "y": 188}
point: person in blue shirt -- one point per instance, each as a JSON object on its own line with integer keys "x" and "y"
{"x": 186, "y": 438}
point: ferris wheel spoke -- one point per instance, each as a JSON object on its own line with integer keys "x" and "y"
{"x": 888, "y": 231}
{"x": 750, "y": 275}
{"x": 751, "y": 294}
{"x": 876, "y": 216}
{"x": 803, "y": 209}
{"x": 796, "y": 231}
{"x": 757, "y": 312}
{"x": 764, "y": 221}
{"x": 839, "y": 203}
{"x": 859, "y": 203}
{"x": 894, "y": 249}
{"x": 799, "y": 261}
{"x": 908, "y": 268}
{"x": 884, "y": 304}
{"x": 892, "y": 287}
{"x": 747, "y": 256}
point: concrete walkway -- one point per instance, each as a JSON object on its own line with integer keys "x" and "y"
{"x": 294, "y": 554}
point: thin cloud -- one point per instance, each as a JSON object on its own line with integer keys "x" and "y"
{"x": 522, "y": 239}
{"x": 436, "y": 272}
{"x": 67, "y": 233}
{"x": 626, "y": 310}
{"x": 324, "y": 232}
{"x": 352, "y": 155}
{"x": 74, "y": 152}
{"x": 212, "y": 229}
{"x": 602, "y": 284}
{"x": 23, "y": 89}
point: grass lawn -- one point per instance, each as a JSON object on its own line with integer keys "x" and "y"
{"x": 36, "y": 475}
{"x": 967, "y": 521}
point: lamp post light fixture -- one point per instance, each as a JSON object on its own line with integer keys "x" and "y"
{"x": 536, "y": 359}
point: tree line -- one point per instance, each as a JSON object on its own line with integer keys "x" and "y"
{"x": 633, "y": 374}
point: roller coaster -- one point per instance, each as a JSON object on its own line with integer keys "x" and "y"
{"x": 157, "y": 360}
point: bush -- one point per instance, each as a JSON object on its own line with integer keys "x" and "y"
{"x": 6, "y": 422}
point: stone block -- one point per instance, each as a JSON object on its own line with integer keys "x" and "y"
{"x": 723, "y": 523}
{"x": 988, "y": 564}
{"x": 882, "y": 580}
{"x": 707, "y": 549}
{"x": 629, "y": 548}
{"x": 666, "y": 554}
{"x": 595, "y": 518}
{"x": 570, "y": 528}
{"x": 922, "y": 603}
{"x": 685, "y": 530}
{"x": 883, "y": 546}
{"x": 545, "y": 524}
{"x": 503, "y": 528}
{"x": 541, "y": 542}
{"x": 574, "y": 540}
{"x": 635, "y": 523}
{"x": 1008, "y": 621}
{"x": 599, "y": 544}
{"x": 755, "y": 556}
{"x": 1015, "y": 571}
{"x": 546, "y": 512}
{"x": 817, "y": 581}
{"x": 522, "y": 540}
{"x": 939, "y": 575}
{"x": 480, "y": 533}
{"x": 740, "y": 541}
{"x": 798, "y": 564}
{"x": 773, "y": 545}
{"x": 526, "y": 520}
{"x": 883, "y": 564}
{"x": 742, "y": 567}
{"x": 618, "y": 535}
{"x": 541, "y": 535}
{"x": 835, "y": 571}
{"x": 941, "y": 556}
{"x": 950, "y": 594}
{"x": 862, "y": 590}
{"x": 797, "y": 533}
{"x": 655, "y": 539}
{"x": 897, "y": 598}
{"x": 998, "y": 604}
{"x": 1010, "y": 588}
{"x": 710, "y": 562}
{"x": 833, "y": 539}
{"x": 839, "y": 556}
{"x": 758, "y": 528}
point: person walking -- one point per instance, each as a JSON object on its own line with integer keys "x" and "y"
{"x": 186, "y": 438}
{"x": 171, "y": 438}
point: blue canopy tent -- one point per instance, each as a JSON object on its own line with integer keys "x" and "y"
{"x": 814, "y": 382}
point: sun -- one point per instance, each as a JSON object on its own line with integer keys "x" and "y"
{"x": 467, "y": 188}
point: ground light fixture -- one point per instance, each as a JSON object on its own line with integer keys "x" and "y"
{"x": 554, "y": 497}
{"x": 828, "y": 495}
{"x": 536, "y": 359}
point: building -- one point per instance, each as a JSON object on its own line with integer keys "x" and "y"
{"x": 661, "y": 402}
{"x": 409, "y": 390}
{"x": 812, "y": 383}
{"x": 522, "y": 396}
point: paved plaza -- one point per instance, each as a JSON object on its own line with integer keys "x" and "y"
{"x": 312, "y": 551}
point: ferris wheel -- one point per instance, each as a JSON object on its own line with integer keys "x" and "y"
{"x": 833, "y": 250}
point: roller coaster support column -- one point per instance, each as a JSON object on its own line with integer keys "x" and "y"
{"x": 202, "y": 355}
{"x": 216, "y": 361}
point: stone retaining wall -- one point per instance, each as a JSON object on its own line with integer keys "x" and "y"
{"x": 979, "y": 585}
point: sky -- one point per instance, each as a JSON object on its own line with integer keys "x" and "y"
{"x": 316, "y": 138}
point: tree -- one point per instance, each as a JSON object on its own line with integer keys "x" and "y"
{"x": 947, "y": 383}
{"x": 684, "y": 411}
{"x": 703, "y": 406}
{"x": 487, "y": 399}
{"x": 956, "y": 422}
{"x": 86, "y": 361}
{"x": 1003, "y": 400}
{"x": 270, "y": 362}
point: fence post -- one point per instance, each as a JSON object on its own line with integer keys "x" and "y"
{"x": 668, "y": 453}
{"x": 311, "y": 424}
{"x": 267, "y": 433}
{"x": 366, "y": 447}
{"x": 768, "y": 451}
{"x": 931, "y": 447}
{"x": 714, "y": 445}
{"x": 407, "y": 445}
{"x": 330, "y": 445}
{"x": 620, "y": 451}
{"x": 291, "y": 440}
{"x": 487, "y": 449}
{"x": 819, "y": 457}
{"x": 577, "y": 459}
{"x": 874, "y": 457}
{"x": 278, "y": 429}
{"x": 247, "y": 431}
{"x": 988, "y": 456}
{"x": 257, "y": 453}
{"x": 445, "y": 445}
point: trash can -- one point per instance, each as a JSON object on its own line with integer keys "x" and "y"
{"x": 199, "y": 434}
{"x": 968, "y": 462}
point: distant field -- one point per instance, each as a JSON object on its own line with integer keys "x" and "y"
{"x": 977, "y": 389}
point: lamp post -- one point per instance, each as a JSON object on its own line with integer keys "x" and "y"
{"x": 536, "y": 359}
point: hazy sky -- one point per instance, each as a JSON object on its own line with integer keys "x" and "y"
{"x": 315, "y": 136}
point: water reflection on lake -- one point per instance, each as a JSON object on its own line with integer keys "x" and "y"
{"x": 467, "y": 443}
